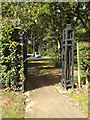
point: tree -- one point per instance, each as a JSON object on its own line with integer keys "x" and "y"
{"x": 43, "y": 22}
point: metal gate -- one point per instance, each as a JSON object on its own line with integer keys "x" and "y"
{"x": 68, "y": 57}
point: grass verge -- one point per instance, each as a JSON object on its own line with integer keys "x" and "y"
{"x": 13, "y": 104}
{"x": 79, "y": 97}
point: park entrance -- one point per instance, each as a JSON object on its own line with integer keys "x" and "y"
{"x": 67, "y": 54}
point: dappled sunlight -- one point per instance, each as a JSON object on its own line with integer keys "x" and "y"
{"x": 42, "y": 74}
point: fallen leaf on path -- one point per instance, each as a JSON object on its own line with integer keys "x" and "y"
{"x": 27, "y": 100}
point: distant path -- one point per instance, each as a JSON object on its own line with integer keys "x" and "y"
{"x": 46, "y": 101}
{"x": 40, "y": 58}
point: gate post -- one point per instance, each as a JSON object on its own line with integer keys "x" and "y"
{"x": 19, "y": 36}
{"x": 67, "y": 57}
{"x": 25, "y": 55}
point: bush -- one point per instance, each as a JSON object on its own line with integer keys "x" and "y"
{"x": 12, "y": 63}
{"x": 56, "y": 63}
{"x": 84, "y": 50}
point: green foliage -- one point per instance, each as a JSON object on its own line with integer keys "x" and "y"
{"x": 84, "y": 50}
{"x": 56, "y": 63}
{"x": 75, "y": 80}
{"x": 81, "y": 97}
{"x": 12, "y": 64}
{"x": 43, "y": 24}
{"x": 48, "y": 48}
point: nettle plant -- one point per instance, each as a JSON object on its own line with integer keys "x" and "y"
{"x": 12, "y": 63}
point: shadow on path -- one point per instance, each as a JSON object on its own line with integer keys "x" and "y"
{"x": 37, "y": 79}
{"x": 46, "y": 102}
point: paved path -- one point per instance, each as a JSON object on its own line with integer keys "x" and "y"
{"x": 46, "y": 101}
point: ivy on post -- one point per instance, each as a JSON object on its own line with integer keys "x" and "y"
{"x": 68, "y": 57}
{"x": 19, "y": 37}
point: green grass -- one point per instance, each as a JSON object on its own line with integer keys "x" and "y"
{"x": 39, "y": 61}
{"x": 77, "y": 96}
{"x": 52, "y": 61}
{"x": 31, "y": 93}
{"x": 81, "y": 98}
{"x": 13, "y": 104}
{"x": 42, "y": 60}
{"x": 71, "y": 101}
{"x": 45, "y": 71}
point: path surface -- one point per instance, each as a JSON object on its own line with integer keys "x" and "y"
{"x": 40, "y": 58}
{"x": 46, "y": 101}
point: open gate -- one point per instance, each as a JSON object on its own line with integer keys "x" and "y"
{"x": 67, "y": 54}
{"x": 68, "y": 57}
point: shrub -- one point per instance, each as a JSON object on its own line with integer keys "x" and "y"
{"x": 84, "y": 50}
{"x": 12, "y": 63}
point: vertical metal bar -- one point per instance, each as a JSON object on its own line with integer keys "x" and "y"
{"x": 24, "y": 59}
{"x": 69, "y": 63}
{"x": 73, "y": 60}
{"x": 70, "y": 35}
{"x": 64, "y": 62}
{"x": 69, "y": 58}
{"x": 62, "y": 59}
{"x": 78, "y": 64}
{"x": 65, "y": 57}
{"x": 25, "y": 55}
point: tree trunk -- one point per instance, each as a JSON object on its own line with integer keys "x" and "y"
{"x": 59, "y": 46}
{"x": 31, "y": 41}
{"x": 59, "y": 55}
